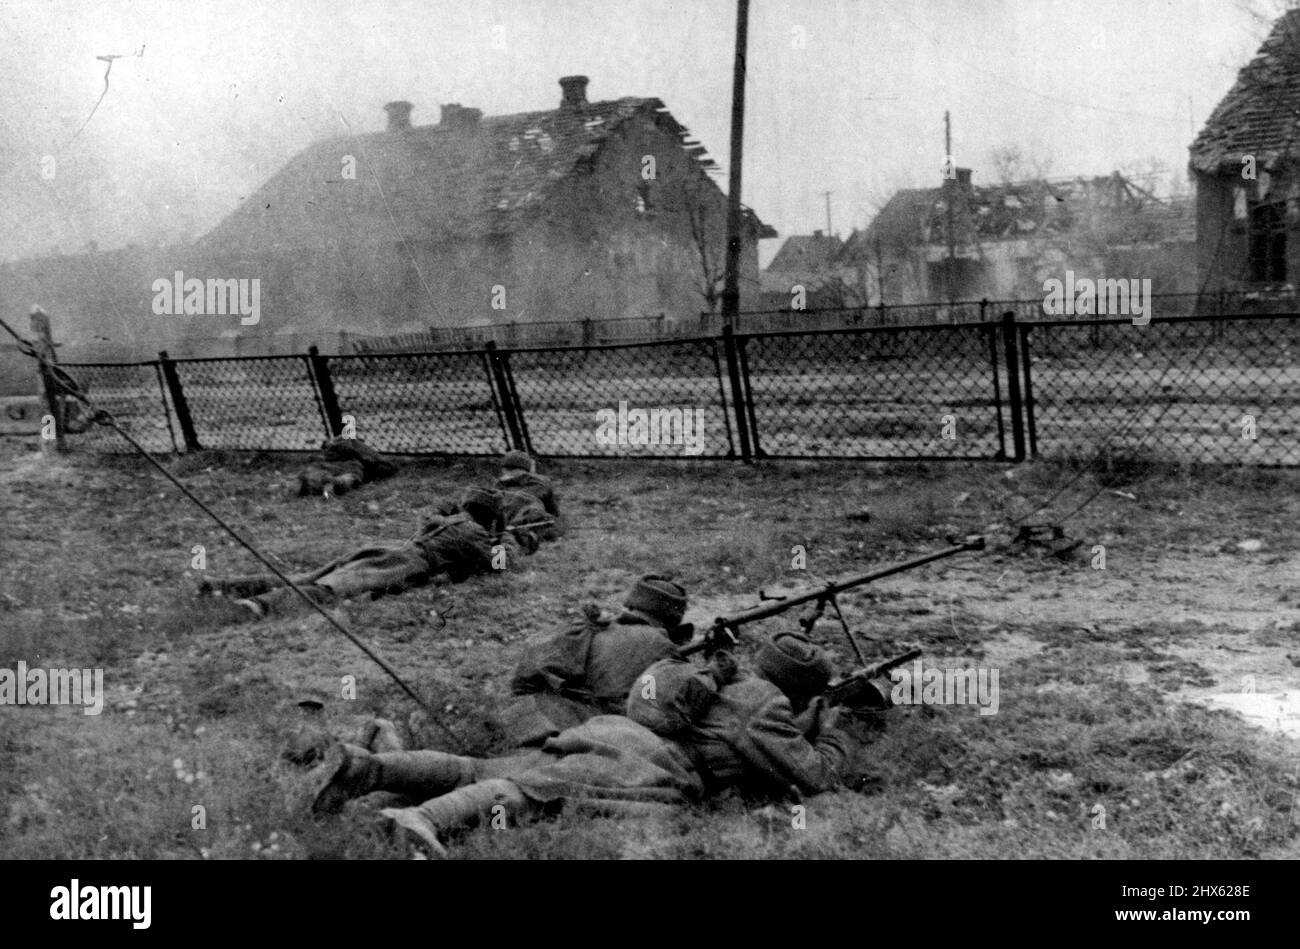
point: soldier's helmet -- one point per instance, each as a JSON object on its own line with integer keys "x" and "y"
{"x": 795, "y": 665}
{"x": 515, "y": 463}
{"x": 659, "y": 598}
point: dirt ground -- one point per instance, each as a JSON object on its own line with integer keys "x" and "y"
{"x": 1115, "y": 734}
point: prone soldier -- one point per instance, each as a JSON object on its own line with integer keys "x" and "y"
{"x": 612, "y": 765}
{"x": 447, "y": 549}
{"x": 564, "y": 678}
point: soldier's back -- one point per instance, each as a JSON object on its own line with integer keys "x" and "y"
{"x": 619, "y": 654}
{"x": 539, "y": 486}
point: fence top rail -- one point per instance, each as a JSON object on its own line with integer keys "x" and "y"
{"x": 247, "y": 358}
{"x": 107, "y": 365}
{"x": 405, "y": 353}
{"x": 1198, "y": 318}
{"x": 863, "y": 330}
{"x": 635, "y": 344}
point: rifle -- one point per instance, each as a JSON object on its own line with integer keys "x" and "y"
{"x": 868, "y": 686}
{"x": 522, "y": 533}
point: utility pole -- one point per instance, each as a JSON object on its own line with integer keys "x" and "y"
{"x": 731, "y": 286}
{"x": 950, "y": 187}
{"x": 829, "y": 232}
{"x": 880, "y": 276}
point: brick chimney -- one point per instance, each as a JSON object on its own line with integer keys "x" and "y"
{"x": 573, "y": 92}
{"x": 457, "y": 116}
{"x": 399, "y": 115}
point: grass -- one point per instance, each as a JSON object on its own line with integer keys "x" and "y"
{"x": 97, "y": 573}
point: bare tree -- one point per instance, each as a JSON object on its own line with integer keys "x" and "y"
{"x": 702, "y": 209}
{"x": 1151, "y": 174}
{"x": 1011, "y": 163}
{"x": 1007, "y": 162}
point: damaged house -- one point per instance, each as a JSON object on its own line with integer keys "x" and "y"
{"x": 589, "y": 210}
{"x": 808, "y": 261}
{"x": 1244, "y": 162}
{"x": 962, "y": 242}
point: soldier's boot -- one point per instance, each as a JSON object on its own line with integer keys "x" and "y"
{"x": 352, "y": 772}
{"x": 493, "y": 800}
{"x": 381, "y": 735}
{"x": 285, "y": 601}
{"x": 237, "y": 586}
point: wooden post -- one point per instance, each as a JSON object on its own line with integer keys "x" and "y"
{"x": 1009, "y": 345}
{"x": 731, "y": 280}
{"x": 43, "y": 341}
{"x": 179, "y": 404}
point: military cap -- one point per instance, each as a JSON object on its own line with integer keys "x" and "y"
{"x": 659, "y": 598}
{"x": 794, "y": 664}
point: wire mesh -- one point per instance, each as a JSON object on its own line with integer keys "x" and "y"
{"x": 429, "y": 402}
{"x": 1205, "y": 390}
{"x": 133, "y": 394}
{"x": 904, "y": 392}
{"x": 264, "y": 403}
{"x": 589, "y": 402}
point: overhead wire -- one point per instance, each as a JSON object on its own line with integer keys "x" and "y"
{"x": 69, "y": 387}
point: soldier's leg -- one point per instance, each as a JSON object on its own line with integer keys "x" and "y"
{"x": 239, "y": 586}
{"x": 462, "y": 808}
{"x": 285, "y": 600}
{"x": 355, "y": 771}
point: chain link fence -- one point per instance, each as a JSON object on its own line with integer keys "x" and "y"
{"x": 136, "y": 396}
{"x": 421, "y": 402}
{"x": 247, "y": 402}
{"x": 649, "y": 399}
{"x": 879, "y": 393}
{"x": 1230, "y": 394}
{"x": 1212, "y": 387}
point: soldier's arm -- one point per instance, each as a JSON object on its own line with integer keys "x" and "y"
{"x": 776, "y": 744}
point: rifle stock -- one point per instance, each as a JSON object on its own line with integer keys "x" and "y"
{"x": 869, "y": 688}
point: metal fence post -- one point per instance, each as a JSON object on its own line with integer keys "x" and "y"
{"x": 1009, "y": 341}
{"x": 742, "y": 350}
{"x": 325, "y": 386}
{"x": 179, "y": 405}
{"x": 737, "y": 392}
{"x": 503, "y": 389}
{"x": 992, "y": 330}
{"x": 1030, "y": 425}
{"x": 162, "y": 395}
{"x": 516, "y": 404}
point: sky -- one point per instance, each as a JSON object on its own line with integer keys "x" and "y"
{"x": 845, "y": 96}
